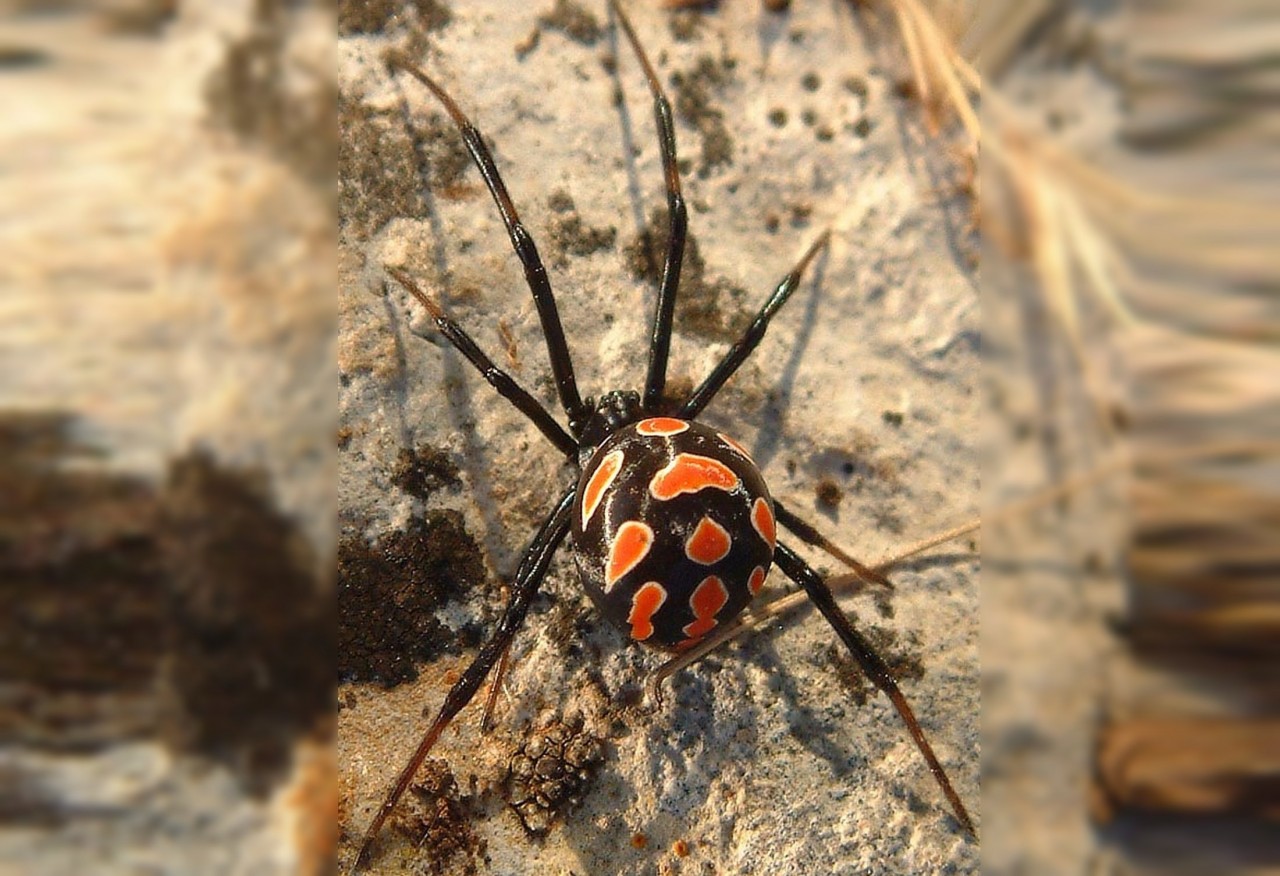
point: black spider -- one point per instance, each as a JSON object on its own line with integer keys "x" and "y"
{"x": 673, "y": 526}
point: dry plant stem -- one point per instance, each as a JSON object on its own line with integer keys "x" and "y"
{"x": 1050, "y": 255}
{"x": 1189, "y": 766}
{"x": 887, "y": 563}
{"x": 490, "y": 701}
{"x": 757, "y": 616}
{"x": 1053, "y": 262}
{"x": 917, "y": 63}
{"x": 1191, "y": 227}
{"x": 499, "y": 677}
{"x": 810, "y": 536}
{"x": 933, "y": 44}
{"x": 1104, "y": 269}
{"x": 1008, "y": 27}
{"x": 934, "y": 62}
{"x": 966, "y": 71}
{"x": 1058, "y": 238}
{"x": 1048, "y": 180}
{"x": 1122, "y": 461}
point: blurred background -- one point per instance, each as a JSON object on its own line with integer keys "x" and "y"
{"x": 167, "y": 419}
{"x": 1130, "y": 612}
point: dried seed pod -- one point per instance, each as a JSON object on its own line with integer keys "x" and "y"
{"x": 548, "y": 773}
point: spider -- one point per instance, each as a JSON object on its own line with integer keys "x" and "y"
{"x": 673, "y": 527}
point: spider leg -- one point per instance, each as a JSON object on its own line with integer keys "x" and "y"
{"x": 535, "y": 273}
{"x": 751, "y": 338}
{"x": 533, "y": 566}
{"x": 757, "y": 615}
{"x": 876, "y": 669}
{"x": 810, "y": 536}
{"x": 500, "y": 380}
{"x": 660, "y": 340}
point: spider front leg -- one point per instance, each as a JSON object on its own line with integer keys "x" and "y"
{"x": 533, "y": 567}
{"x": 876, "y": 669}
{"x": 754, "y": 334}
{"x": 660, "y": 339}
{"x": 500, "y": 380}
{"x": 535, "y": 272}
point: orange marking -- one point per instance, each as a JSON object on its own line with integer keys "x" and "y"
{"x": 762, "y": 520}
{"x": 756, "y": 581}
{"x": 661, "y": 426}
{"x": 644, "y": 605}
{"x": 688, "y": 473}
{"x": 735, "y": 445}
{"x": 601, "y": 479}
{"x": 709, "y": 543}
{"x": 629, "y": 547}
{"x": 708, "y": 598}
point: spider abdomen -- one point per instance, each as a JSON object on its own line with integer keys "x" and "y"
{"x": 673, "y": 530}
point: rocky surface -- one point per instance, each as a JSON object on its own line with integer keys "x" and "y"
{"x": 860, "y": 407}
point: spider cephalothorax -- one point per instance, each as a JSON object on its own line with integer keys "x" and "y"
{"x": 673, "y": 528}
{"x": 614, "y": 411}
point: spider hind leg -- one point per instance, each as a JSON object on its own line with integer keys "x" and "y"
{"x": 533, "y": 567}
{"x": 876, "y": 669}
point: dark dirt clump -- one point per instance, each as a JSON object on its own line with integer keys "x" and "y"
{"x": 570, "y": 236}
{"x": 83, "y": 622}
{"x": 686, "y": 22}
{"x": 705, "y": 308}
{"x": 829, "y": 494}
{"x": 383, "y": 166}
{"x": 388, "y": 594}
{"x": 422, "y": 471}
{"x": 574, "y": 20}
{"x": 550, "y": 772}
{"x": 693, "y": 105}
{"x": 250, "y": 663}
{"x": 378, "y": 169}
{"x": 438, "y": 818}
{"x": 904, "y": 664}
{"x": 266, "y": 98}
{"x": 372, "y": 16}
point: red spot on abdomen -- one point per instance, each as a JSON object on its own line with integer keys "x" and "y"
{"x": 600, "y": 481}
{"x": 629, "y": 547}
{"x": 688, "y": 473}
{"x": 756, "y": 581}
{"x": 644, "y": 605}
{"x": 661, "y": 426}
{"x": 762, "y": 520}
{"x": 708, "y": 598}
{"x": 709, "y": 543}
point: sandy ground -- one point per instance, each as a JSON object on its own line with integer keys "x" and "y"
{"x": 761, "y": 761}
